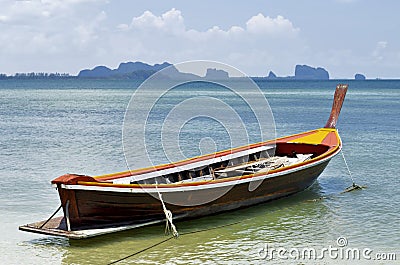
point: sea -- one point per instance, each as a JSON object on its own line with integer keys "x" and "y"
{"x": 53, "y": 127}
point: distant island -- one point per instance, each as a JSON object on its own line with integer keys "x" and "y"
{"x": 359, "y": 77}
{"x": 129, "y": 70}
{"x": 141, "y": 71}
{"x": 304, "y": 72}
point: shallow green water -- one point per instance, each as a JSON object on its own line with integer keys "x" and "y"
{"x": 52, "y": 128}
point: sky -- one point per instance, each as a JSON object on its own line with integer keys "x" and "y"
{"x": 343, "y": 36}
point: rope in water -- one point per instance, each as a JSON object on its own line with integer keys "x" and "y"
{"x": 169, "y": 238}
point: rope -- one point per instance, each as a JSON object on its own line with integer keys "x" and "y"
{"x": 169, "y": 238}
{"x": 169, "y": 225}
{"x": 140, "y": 251}
{"x": 347, "y": 166}
{"x": 50, "y": 217}
{"x": 354, "y": 186}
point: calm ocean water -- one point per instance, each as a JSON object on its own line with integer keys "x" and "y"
{"x": 49, "y": 128}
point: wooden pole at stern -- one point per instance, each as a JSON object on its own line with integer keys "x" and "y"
{"x": 338, "y": 99}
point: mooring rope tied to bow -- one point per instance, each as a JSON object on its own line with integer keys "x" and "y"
{"x": 347, "y": 166}
{"x": 354, "y": 186}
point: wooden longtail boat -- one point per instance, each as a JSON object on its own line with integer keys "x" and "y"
{"x": 232, "y": 179}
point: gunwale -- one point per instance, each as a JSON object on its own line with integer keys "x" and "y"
{"x": 103, "y": 181}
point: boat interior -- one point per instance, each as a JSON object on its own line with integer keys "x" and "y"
{"x": 261, "y": 159}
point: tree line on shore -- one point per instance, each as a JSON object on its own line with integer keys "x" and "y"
{"x": 34, "y": 75}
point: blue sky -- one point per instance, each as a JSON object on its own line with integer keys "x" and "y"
{"x": 343, "y": 36}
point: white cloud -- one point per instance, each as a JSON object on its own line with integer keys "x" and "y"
{"x": 379, "y": 50}
{"x": 3, "y": 19}
{"x": 171, "y": 21}
{"x": 273, "y": 26}
{"x": 81, "y": 36}
{"x": 68, "y": 35}
{"x": 32, "y": 11}
{"x": 166, "y": 37}
{"x": 49, "y": 35}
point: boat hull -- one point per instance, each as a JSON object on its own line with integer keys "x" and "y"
{"x": 100, "y": 209}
